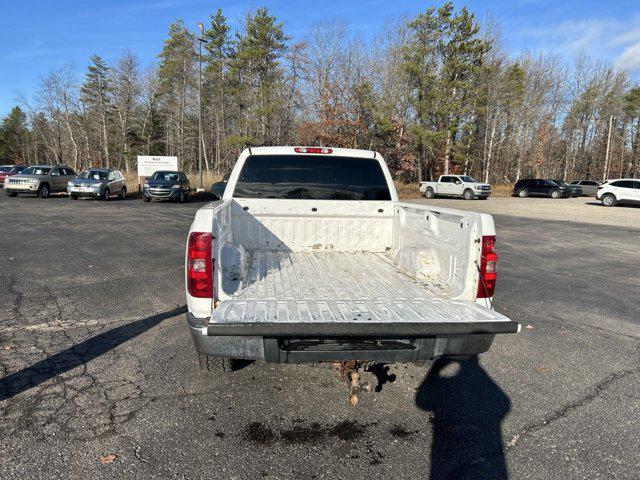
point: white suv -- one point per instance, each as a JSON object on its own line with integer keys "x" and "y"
{"x": 624, "y": 190}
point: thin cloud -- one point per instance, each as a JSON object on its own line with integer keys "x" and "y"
{"x": 629, "y": 60}
{"x": 612, "y": 39}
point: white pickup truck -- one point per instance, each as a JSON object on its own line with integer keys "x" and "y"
{"x": 309, "y": 256}
{"x": 456, "y": 186}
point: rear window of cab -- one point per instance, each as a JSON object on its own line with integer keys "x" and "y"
{"x": 312, "y": 177}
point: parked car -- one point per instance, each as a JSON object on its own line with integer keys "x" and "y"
{"x": 9, "y": 170}
{"x": 576, "y": 190}
{"x": 589, "y": 187}
{"x": 217, "y": 189}
{"x": 462, "y": 186}
{"x": 172, "y": 185}
{"x": 310, "y": 257}
{"x": 619, "y": 191}
{"x": 539, "y": 187}
{"x": 100, "y": 183}
{"x": 42, "y": 180}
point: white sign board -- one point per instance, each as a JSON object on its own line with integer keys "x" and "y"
{"x": 147, "y": 164}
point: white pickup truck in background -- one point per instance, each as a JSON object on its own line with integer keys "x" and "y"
{"x": 309, "y": 256}
{"x": 456, "y": 186}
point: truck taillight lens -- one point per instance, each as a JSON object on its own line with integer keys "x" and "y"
{"x": 199, "y": 265}
{"x": 488, "y": 267}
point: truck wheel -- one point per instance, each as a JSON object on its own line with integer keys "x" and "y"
{"x": 429, "y": 193}
{"x": 146, "y": 199}
{"x": 555, "y": 194}
{"x": 468, "y": 194}
{"x": 43, "y": 191}
{"x": 217, "y": 364}
{"x": 609, "y": 200}
{"x": 523, "y": 193}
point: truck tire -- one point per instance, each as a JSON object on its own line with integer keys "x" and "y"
{"x": 468, "y": 194}
{"x": 609, "y": 200}
{"x": 523, "y": 193}
{"x": 430, "y": 193}
{"x": 43, "y": 191}
{"x": 216, "y": 364}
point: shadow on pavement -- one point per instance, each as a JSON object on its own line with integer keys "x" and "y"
{"x": 381, "y": 372}
{"x": 624, "y": 205}
{"x": 467, "y": 408}
{"x": 79, "y": 354}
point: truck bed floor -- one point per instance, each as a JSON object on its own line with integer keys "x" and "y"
{"x": 339, "y": 287}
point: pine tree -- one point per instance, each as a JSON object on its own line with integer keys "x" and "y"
{"x": 219, "y": 47}
{"x": 13, "y": 135}
{"x": 442, "y": 60}
{"x": 177, "y": 76}
{"x": 96, "y": 94}
{"x": 257, "y": 65}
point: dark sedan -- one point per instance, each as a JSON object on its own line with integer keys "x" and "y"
{"x": 576, "y": 190}
{"x": 540, "y": 187}
{"x": 172, "y": 185}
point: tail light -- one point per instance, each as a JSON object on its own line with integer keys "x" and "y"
{"x": 313, "y": 150}
{"x": 199, "y": 265}
{"x": 488, "y": 267}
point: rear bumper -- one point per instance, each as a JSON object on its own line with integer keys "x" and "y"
{"x": 307, "y": 343}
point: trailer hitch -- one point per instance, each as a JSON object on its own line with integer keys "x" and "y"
{"x": 348, "y": 370}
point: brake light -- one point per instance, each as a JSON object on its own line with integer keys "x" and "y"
{"x": 199, "y": 265}
{"x": 488, "y": 267}
{"x": 313, "y": 150}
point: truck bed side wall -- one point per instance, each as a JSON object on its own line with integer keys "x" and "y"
{"x": 439, "y": 246}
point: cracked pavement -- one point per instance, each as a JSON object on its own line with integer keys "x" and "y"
{"x": 95, "y": 359}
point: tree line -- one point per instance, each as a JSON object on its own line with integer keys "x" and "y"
{"x": 437, "y": 93}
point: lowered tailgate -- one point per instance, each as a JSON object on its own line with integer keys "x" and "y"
{"x": 320, "y": 294}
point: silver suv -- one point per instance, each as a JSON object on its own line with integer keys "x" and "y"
{"x": 39, "y": 179}
{"x": 100, "y": 183}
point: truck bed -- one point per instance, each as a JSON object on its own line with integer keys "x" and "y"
{"x": 283, "y": 287}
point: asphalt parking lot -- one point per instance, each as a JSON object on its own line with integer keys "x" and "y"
{"x": 98, "y": 378}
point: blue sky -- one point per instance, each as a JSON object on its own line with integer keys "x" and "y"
{"x": 37, "y": 35}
